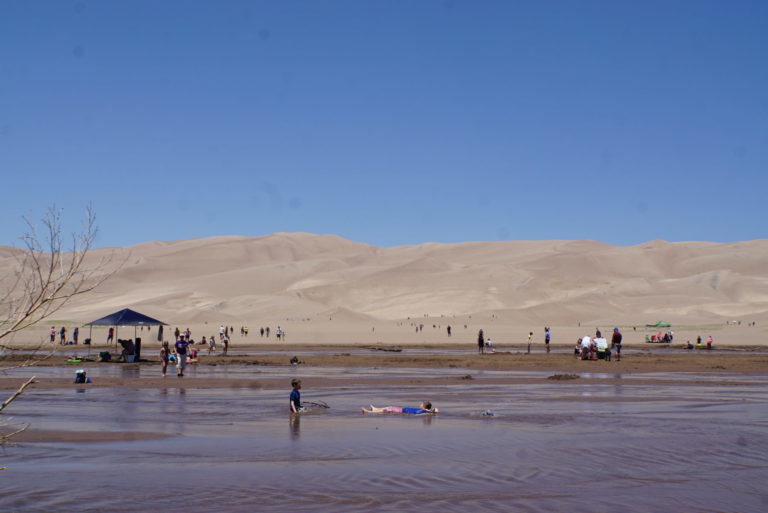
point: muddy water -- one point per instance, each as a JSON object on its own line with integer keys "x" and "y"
{"x": 549, "y": 447}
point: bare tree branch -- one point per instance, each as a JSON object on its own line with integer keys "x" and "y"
{"x": 4, "y": 438}
{"x": 44, "y": 279}
{"x": 47, "y": 277}
{"x": 17, "y": 393}
{"x": 34, "y": 357}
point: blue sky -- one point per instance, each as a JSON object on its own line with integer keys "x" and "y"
{"x": 387, "y": 122}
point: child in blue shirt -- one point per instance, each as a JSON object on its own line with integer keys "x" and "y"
{"x": 296, "y": 396}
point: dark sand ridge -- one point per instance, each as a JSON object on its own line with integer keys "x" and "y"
{"x": 738, "y": 360}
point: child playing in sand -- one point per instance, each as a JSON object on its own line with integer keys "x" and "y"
{"x": 425, "y": 407}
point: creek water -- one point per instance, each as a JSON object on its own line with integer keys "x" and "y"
{"x": 549, "y": 446}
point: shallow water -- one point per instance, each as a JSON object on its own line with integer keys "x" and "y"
{"x": 642, "y": 446}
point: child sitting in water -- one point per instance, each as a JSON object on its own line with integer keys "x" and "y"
{"x": 425, "y": 407}
{"x": 192, "y": 356}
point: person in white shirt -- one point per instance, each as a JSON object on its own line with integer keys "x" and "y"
{"x": 586, "y": 347}
{"x": 603, "y": 353}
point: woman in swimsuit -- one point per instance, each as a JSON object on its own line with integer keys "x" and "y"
{"x": 425, "y": 407}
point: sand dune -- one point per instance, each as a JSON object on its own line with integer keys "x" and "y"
{"x": 297, "y": 275}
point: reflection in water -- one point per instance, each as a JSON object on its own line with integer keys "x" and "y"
{"x": 295, "y": 423}
{"x": 129, "y": 371}
{"x": 649, "y": 446}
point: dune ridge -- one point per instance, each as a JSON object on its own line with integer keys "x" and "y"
{"x": 235, "y": 278}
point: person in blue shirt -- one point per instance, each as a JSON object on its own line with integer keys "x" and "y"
{"x": 425, "y": 407}
{"x": 181, "y": 355}
{"x": 296, "y": 396}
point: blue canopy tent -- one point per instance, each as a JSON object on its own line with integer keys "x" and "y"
{"x": 126, "y": 317}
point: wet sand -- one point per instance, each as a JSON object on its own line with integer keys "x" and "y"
{"x": 671, "y": 432}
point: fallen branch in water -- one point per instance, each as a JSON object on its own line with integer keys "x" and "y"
{"x": 5, "y": 438}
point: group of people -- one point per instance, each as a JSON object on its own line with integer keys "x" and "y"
{"x": 667, "y": 338}
{"x": 700, "y": 343}
{"x": 596, "y": 348}
{"x": 183, "y": 352}
{"x": 297, "y": 407}
{"x": 587, "y": 348}
{"x": 483, "y": 343}
{"x": 63, "y": 335}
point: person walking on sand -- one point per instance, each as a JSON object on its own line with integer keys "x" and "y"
{"x": 530, "y": 341}
{"x": 63, "y": 335}
{"x": 76, "y": 334}
{"x": 53, "y": 334}
{"x": 224, "y": 345}
{"x": 480, "y": 342}
{"x": 181, "y": 355}
{"x": 212, "y": 345}
{"x": 546, "y": 338}
{"x": 616, "y": 343}
{"x": 165, "y": 353}
{"x": 110, "y": 335}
